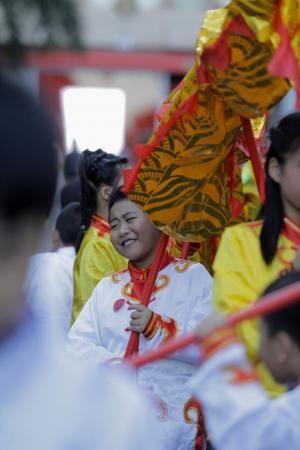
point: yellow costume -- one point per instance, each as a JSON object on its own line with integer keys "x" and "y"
{"x": 241, "y": 275}
{"x": 96, "y": 259}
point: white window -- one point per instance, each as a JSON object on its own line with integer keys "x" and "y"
{"x": 94, "y": 118}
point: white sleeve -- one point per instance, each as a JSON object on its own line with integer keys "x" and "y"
{"x": 120, "y": 416}
{"x": 200, "y": 291}
{"x": 238, "y": 413}
{"x": 200, "y": 307}
{"x": 139, "y": 427}
{"x": 84, "y": 338}
{"x": 49, "y": 292}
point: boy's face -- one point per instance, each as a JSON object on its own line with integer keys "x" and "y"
{"x": 132, "y": 234}
{"x": 277, "y": 353}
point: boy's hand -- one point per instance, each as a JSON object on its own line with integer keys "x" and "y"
{"x": 139, "y": 318}
{"x": 209, "y": 325}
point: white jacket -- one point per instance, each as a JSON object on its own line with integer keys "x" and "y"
{"x": 49, "y": 402}
{"x": 49, "y": 288}
{"x": 182, "y": 298}
{"x": 238, "y": 412}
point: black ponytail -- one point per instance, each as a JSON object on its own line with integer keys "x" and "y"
{"x": 95, "y": 168}
{"x": 285, "y": 140}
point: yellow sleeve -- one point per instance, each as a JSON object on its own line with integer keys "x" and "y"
{"x": 240, "y": 278}
{"x": 233, "y": 287}
{"x": 99, "y": 259}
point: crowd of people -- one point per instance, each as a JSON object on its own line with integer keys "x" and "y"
{"x": 66, "y": 315}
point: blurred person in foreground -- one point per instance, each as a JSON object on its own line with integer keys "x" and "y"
{"x": 47, "y": 402}
{"x": 49, "y": 284}
{"x": 237, "y": 410}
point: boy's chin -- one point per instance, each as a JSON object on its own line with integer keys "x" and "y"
{"x": 135, "y": 259}
{"x": 132, "y": 253}
{"x": 125, "y": 252}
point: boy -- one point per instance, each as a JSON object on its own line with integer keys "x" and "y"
{"x": 180, "y": 298}
{"x": 238, "y": 412}
{"x": 49, "y": 285}
{"x": 47, "y": 402}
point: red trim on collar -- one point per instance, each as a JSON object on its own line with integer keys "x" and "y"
{"x": 100, "y": 224}
{"x": 291, "y": 230}
{"x": 140, "y": 275}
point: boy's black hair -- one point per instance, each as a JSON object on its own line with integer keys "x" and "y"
{"x": 285, "y": 140}
{"x": 95, "y": 168}
{"x": 70, "y": 193}
{"x": 288, "y": 318}
{"x": 116, "y": 196}
{"x": 68, "y": 223}
{"x": 28, "y": 167}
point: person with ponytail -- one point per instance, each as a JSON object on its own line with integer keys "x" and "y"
{"x": 96, "y": 256}
{"x": 252, "y": 255}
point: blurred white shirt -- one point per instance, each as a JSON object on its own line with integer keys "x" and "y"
{"x": 48, "y": 402}
{"x": 49, "y": 287}
{"x": 238, "y": 413}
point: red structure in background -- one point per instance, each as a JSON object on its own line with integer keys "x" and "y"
{"x": 140, "y": 130}
{"x": 55, "y": 67}
{"x": 64, "y": 60}
{"x": 50, "y": 87}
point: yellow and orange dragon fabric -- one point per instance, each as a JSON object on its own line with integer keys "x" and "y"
{"x": 187, "y": 178}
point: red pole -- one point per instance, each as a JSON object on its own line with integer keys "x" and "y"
{"x": 160, "y": 251}
{"x": 255, "y": 158}
{"x": 185, "y": 250}
{"x": 267, "y": 304}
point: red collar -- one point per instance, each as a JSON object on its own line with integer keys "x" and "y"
{"x": 291, "y": 230}
{"x": 100, "y": 224}
{"x": 140, "y": 275}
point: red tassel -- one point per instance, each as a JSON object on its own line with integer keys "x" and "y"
{"x": 284, "y": 63}
{"x": 185, "y": 250}
{"x": 255, "y": 158}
